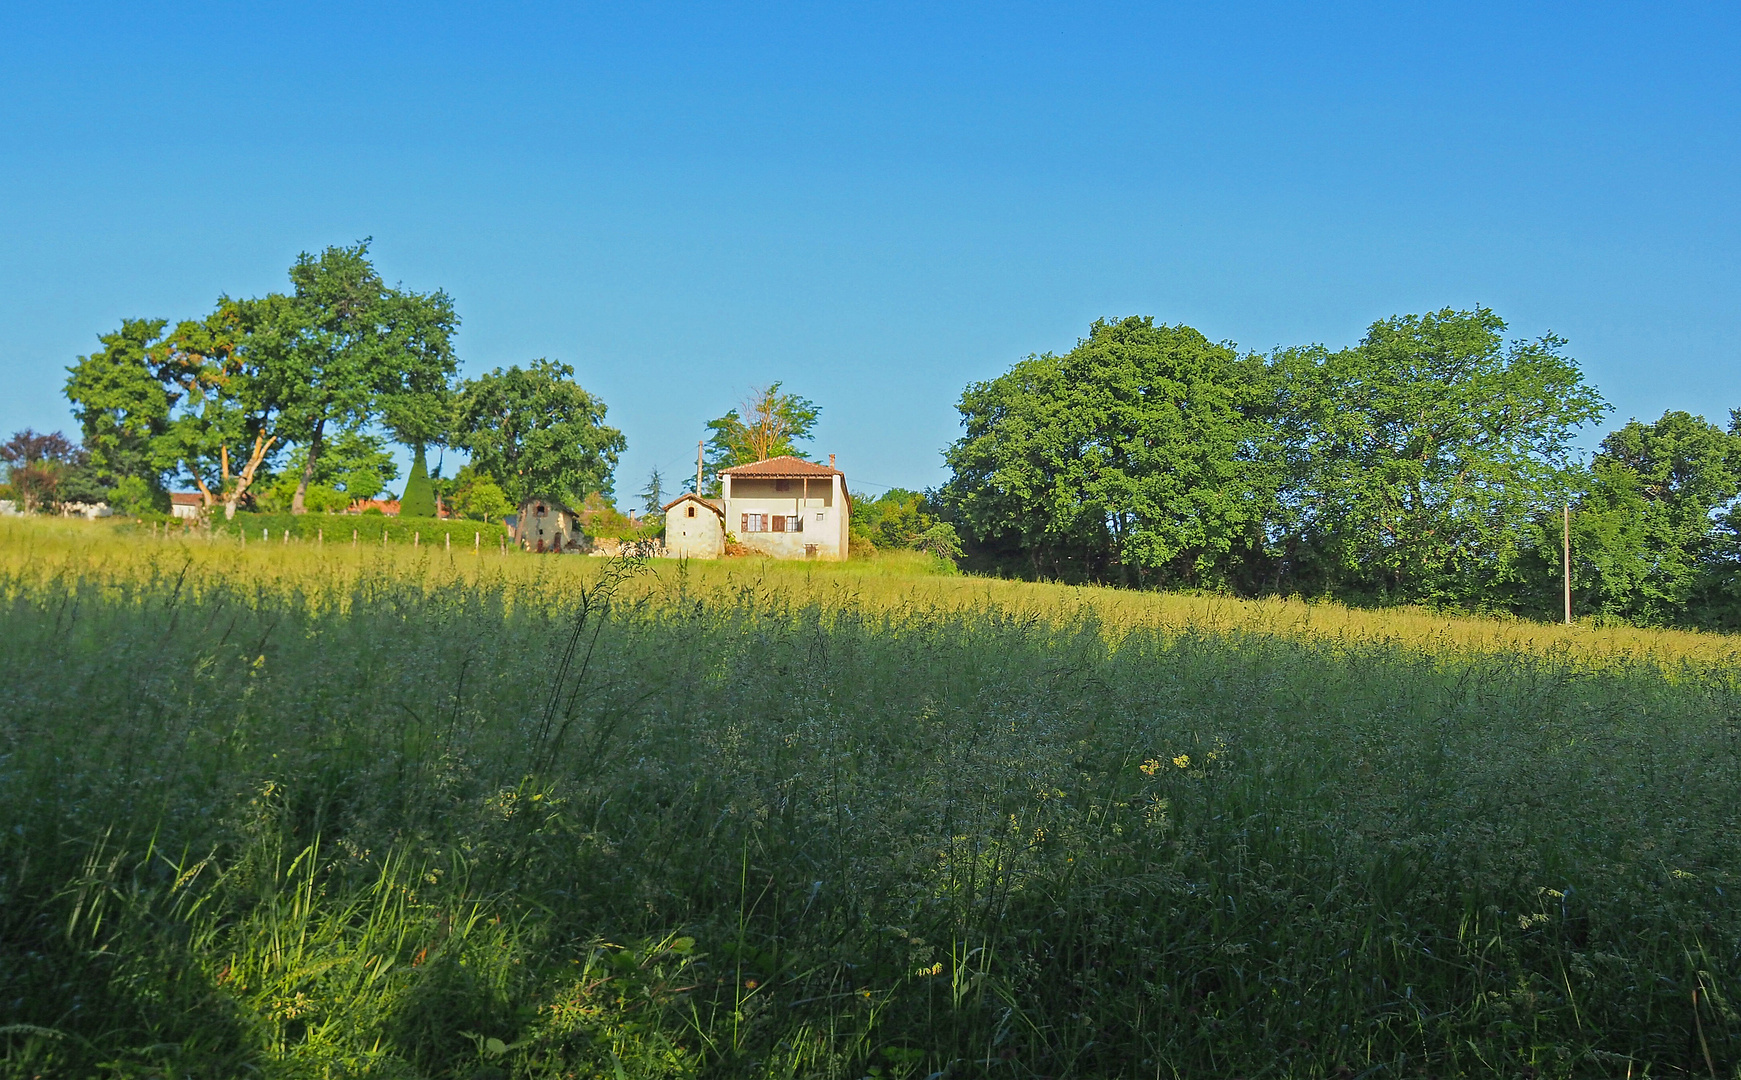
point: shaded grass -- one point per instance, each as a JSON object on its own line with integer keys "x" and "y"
{"x": 393, "y": 817}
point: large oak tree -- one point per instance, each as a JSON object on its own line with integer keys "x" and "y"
{"x": 537, "y": 432}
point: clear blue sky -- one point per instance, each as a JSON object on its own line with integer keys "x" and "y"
{"x": 879, "y": 203}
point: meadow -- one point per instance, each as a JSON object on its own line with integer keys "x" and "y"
{"x": 313, "y": 810}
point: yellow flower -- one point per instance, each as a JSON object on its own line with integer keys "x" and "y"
{"x": 1183, "y": 761}
{"x": 1150, "y": 767}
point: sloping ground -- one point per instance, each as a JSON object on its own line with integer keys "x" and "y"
{"x": 900, "y": 580}
{"x": 294, "y": 815}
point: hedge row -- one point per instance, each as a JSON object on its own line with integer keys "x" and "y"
{"x": 367, "y": 528}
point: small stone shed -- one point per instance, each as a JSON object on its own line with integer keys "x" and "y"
{"x": 694, "y": 528}
{"x": 548, "y": 526}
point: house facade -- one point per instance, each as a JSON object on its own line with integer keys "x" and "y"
{"x": 694, "y": 528}
{"x": 787, "y": 507}
{"x": 546, "y": 525}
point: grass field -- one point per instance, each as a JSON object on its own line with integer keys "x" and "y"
{"x": 305, "y": 810}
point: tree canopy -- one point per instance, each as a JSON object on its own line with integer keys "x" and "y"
{"x": 1419, "y": 465}
{"x": 537, "y": 432}
{"x": 771, "y": 424}
{"x": 218, "y": 399}
{"x": 1133, "y": 457}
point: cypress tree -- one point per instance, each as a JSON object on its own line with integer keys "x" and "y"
{"x": 419, "y": 497}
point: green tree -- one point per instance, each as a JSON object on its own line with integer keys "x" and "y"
{"x": 1418, "y": 464}
{"x": 347, "y": 349}
{"x": 477, "y": 495}
{"x": 123, "y": 408}
{"x": 356, "y": 465}
{"x": 231, "y": 399}
{"x": 1131, "y": 458}
{"x": 771, "y": 424}
{"x": 1646, "y": 535}
{"x": 653, "y": 495}
{"x": 535, "y": 431}
{"x": 418, "y": 499}
{"x": 895, "y": 520}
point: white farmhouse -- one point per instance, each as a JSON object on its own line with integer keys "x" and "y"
{"x": 185, "y": 504}
{"x": 787, "y": 507}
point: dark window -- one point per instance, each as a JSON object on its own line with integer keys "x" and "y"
{"x": 782, "y": 485}
{"x": 692, "y": 511}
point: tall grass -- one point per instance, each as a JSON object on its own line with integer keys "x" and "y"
{"x": 380, "y": 815}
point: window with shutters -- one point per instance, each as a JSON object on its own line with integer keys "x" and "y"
{"x": 755, "y": 523}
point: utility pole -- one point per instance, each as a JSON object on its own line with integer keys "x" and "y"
{"x": 1568, "y": 563}
{"x": 698, "y": 445}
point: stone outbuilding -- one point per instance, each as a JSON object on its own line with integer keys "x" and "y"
{"x": 787, "y": 507}
{"x": 694, "y": 528}
{"x": 547, "y": 525}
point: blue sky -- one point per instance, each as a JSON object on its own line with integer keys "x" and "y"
{"x": 880, "y": 203}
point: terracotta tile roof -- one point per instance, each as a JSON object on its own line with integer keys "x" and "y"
{"x": 390, "y": 507}
{"x": 782, "y": 468}
{"x": 184, "y": 498}
{"x": 690, "y": 496}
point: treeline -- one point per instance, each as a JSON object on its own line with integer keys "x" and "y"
{"x": 1430, "y": 463}
{"x": 288, "y": 402}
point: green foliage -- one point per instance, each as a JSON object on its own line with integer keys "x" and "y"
{"x": 1417, "y": 466}
{"x": 477, "y": 495}
{"x": 369, "y": 526}
{"x": 902, "y": 520}
{"x": 218, "y": 399}
{"x": 418, "y": 499}
{"x": 353, "y": 466}
{"x": 1644, "y": 531}
{"x": 771, "y": 425}
{"x": 368, "y": 825}
{"x": 653, "y": 496}
{"x": 1127, "y": 459}
{"x": 536, "y": 432}
{"x": 122, "y": 405}
{"x": 1423, "y": 458}
{"x": 346, "y": 349}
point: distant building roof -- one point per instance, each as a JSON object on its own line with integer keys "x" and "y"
{"x": 782, "y": 468}
{"x": 690, "y": 496}
{"x": 561, "y": 507}
{"x": 184, "y": 498}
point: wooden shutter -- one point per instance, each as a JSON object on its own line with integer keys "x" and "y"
{"x": 745, "y": 527}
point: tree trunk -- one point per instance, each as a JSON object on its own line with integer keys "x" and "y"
{"x": 298, "y": 504}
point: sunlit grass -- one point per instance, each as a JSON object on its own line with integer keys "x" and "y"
{"x": 887, "y": 580}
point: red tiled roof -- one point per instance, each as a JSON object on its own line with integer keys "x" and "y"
{"x": 690, "y": 496}
{"x": 782, "y": 468}
{"x": 184, "y": 498}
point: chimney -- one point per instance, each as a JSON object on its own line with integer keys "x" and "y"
{"x": 831, "y": 461}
